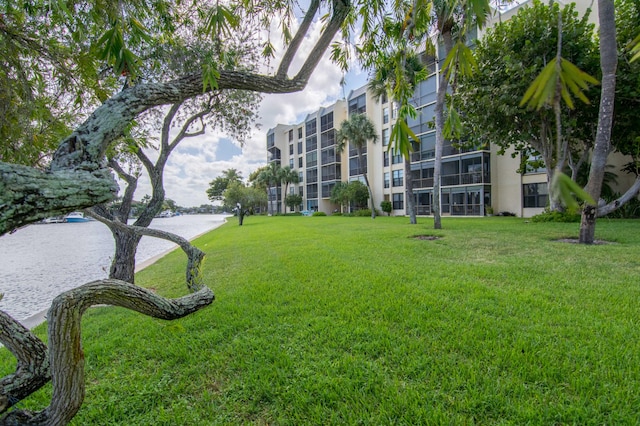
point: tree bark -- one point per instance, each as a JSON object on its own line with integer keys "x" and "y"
{"x": 32, "y": 371}
{"x": 608, "y": 64}
{"x": 65, "y": 346}
{"x": 439, "y": 119}
{"x": 411, "y": 202}
{"x": 366, "y": 181}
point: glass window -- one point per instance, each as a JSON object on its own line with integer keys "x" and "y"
{"x": 386, "y": 180}
{"x": 291, "y": 163}
{"x": 312, "y": 143}
{"x": 385, "y": 137}
{"x": 299, "y": 132}
{"x": 299, "y": 148}
{"x": 358, "y": 105}
{"x": 299, "y": 162}
{"x": 398, "y": 177}
{"x": 535, "y": 194}
{"x": 291, "y": 149}
{"x": 397, "y": 158}
{"x": 290, "y": 135}
{"x": 385, "y": 158}
{"x": 398, "y": 201}
{"x": 311, "y": 127}
{"x": 312, "y": 175}
{"x": 328, "y": 138}
{"x": 312, "y": 159}
{"x": 326, "y": 122}
{"x": 385, "y": 115}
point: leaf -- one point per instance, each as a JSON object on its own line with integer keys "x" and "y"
{"x": 635, "y": 48}
{"x": 210, "y": 76}
{"x": 566, "y": 190}
{"x": 572, "y": 81}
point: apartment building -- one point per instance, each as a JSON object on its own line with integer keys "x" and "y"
{"x": 472, "y": 178}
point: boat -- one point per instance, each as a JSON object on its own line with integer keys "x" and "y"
{"x": 166, "y": 213}
{"x": 75, "y": 217}
{"x": 54, "y": 219}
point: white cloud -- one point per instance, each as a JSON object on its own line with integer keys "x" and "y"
{"x": 194, "y": 162}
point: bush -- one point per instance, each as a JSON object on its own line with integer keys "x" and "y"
{"x": 319, "y": 214}
{"x": 386, "y": 207}
{"x": 362, "y": 213}
{"x": 556, "y": 216}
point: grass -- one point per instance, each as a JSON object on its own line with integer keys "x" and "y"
{"x": 336, "y": 320}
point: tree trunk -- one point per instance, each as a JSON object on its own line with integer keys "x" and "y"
{"x": 366, "y": 181}
{"x": 123, "y": 264}
{"x": 439, "y": 119}
{"x": 608, "y": 64}
{"x": 411, "y": 202}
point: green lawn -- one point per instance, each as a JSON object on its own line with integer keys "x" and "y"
{"x": 337, "y": 320}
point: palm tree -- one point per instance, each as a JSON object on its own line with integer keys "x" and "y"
{"x": 449, "y": 18}
{"x": 357, "y": 130}
{"x": 383, "y": 82}
{"x": 287, "y": 176}
{"x": 271, "y": 176}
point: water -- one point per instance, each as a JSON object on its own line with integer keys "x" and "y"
{"x": 39, "y": 262}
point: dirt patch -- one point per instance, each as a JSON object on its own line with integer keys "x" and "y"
{"x": 577, "y": 241}
{"x": 426, "y": 237}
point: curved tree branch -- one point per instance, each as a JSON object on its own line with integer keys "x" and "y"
{"x": 616, "y": 204}
{"x": 66, "y": 355}
{"x": 32, "y": 371}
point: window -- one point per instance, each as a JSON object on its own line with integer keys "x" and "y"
{"x": 386, "y": 180}
{"x": 310, "y": 127}
{"x": 330, "y": 155}
{"x": 312, "y": 159}
{"x": 398, "y": 201}
{"x": 299, "y": 162}
{"x": 327, "y": 188}
{"x": 312, "y": 176}
{"x": 331, "y": 172}
{"x": 398, "y": 177}
{"x": 385, "y": 115}
{"x": 328, "y": 138}
{"x": 385, "y": 159}
{"x": 299, "y": 148}
{"x": 394, "y": 110}
{"x": 301, "y": 188}
{"x": 299, "y": 132}
{"x": 535, "y": 194}
{"x": 312, "y": 191}
{"x": 290, "y": 135}
{"x": 291, "y": 163}
{"x": 326, "y": 122}
{"x": 291, "y": 149}
{"x": 397, "y": 158}
{"x": 358, "y": 105}
{"x": 300, "y": 178}
{"x": 271, "y": 140}
{"x": 385, "y": 137}
{"x": 312, "y": 143}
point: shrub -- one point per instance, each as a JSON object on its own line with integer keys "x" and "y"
{"x": 386, "y": 207}
{"x": 319, "y": 214}
{"x": 556, "y": 216}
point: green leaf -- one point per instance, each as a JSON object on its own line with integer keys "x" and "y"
{"x": 573, "y": 81}
{"x": 635, "y": 48}
{"x": 210, "y": 76}
{"x": 566, "y": 190}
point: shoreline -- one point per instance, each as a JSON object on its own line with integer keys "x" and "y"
{"x": 40, "y": 317}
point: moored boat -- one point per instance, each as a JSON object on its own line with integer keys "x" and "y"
{"x": 75, "y": 217}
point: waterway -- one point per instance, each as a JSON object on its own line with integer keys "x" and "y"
{"x": 38, "y": 262}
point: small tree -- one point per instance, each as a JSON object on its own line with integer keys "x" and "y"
{"x": 293, "y": 201}
{"x": 357, "y": 130}
{"x": 386, "y": 207}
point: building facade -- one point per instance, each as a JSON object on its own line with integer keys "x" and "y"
{"x": 474, "y": 181}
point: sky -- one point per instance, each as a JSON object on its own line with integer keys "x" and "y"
{"x": 197, "y": 161}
